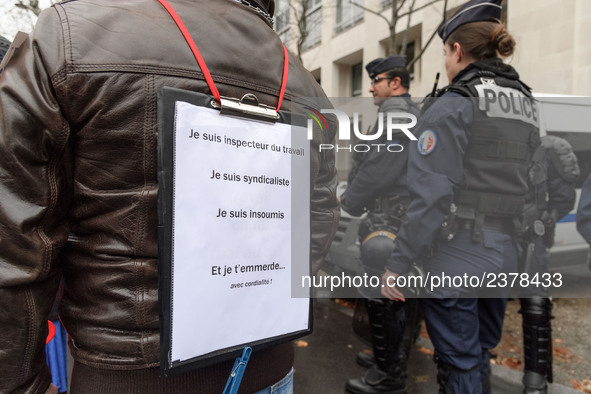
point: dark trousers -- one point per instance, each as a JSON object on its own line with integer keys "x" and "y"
{"x": 464, "y": 322}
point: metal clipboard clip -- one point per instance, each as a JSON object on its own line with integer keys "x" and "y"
{"x": 235, "y": 378}
{"x": 247, "y": 107}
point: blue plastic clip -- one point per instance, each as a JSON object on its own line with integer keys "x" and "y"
{"x": 235, "y": 378}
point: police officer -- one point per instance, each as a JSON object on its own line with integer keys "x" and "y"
{"x": 554, "y": 170}
{"x": 468, "y": 178}
{"x": 584, "y": 212}
{"x": 379, "y": 185}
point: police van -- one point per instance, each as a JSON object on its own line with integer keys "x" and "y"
{"x": 568, "y": 117}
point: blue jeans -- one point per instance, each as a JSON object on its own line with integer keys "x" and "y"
{"x": 284, "y": 386}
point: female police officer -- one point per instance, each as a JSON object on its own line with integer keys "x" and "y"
{"x": 468, "y": 178}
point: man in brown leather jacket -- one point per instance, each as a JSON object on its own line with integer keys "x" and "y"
{"x": 78, "y": 182}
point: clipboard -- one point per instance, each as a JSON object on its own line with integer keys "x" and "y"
{"x": 202, "y": 306}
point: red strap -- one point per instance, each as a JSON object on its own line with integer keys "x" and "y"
{"x": 284, "y": 79}
{"x": 51, "y": 331}
{"x": 201, "y": 62}
{"x": 193, "y": 47}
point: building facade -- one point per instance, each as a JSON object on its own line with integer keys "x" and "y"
{"x": 553, "y": 53}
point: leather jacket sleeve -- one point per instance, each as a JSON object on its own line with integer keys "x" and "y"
{"x": 325, "y": 210}
{"x": 35, "y": 185}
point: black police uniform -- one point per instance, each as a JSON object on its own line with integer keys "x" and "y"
{"x": 469, "y": 174}
{"x": 379, "y": 186}
{"x": 472, "y": 155}
{"x": 462, "y": 159}
{"x": 381, "y": 173}
{"x": 554, "y": 198}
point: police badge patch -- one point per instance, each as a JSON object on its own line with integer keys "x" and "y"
{"x": 426, "y": 143}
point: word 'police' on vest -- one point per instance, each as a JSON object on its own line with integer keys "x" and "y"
{"x": 503, "y": 102}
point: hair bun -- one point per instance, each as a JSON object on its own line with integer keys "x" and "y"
{"x": 503, "y": 41}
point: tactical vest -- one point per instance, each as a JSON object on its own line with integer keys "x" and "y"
{"x": 501, "y": 142}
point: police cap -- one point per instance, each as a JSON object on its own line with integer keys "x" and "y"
{"x": 381, "y": 64}
{"x": 472, "y": 11}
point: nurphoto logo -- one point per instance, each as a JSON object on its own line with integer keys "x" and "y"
{"x": 402, "y": 121}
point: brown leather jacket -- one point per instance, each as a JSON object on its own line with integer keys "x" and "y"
{"x": 78, "y": 168}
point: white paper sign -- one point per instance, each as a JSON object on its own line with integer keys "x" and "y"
{"x": 234, "y": 230}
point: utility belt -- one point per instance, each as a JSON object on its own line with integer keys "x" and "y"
{"x": 388, "y": 214}
{"x": 490, "y": 223}
{"x": 476, "y": 222}
{"x": 391, "y": 210}
{"x": 394, "y": 203}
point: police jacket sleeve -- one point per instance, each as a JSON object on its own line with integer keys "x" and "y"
{"x": 380, "y": 168}
{"x": 435, "y": 169}
{"x": 35, "y": 191}
{"x": 584, "y": 211}
{"x": 561, "y": 194}
{"x": 378, "y": 171}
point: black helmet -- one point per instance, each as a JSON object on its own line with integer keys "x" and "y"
{"x": 375, "y": 250}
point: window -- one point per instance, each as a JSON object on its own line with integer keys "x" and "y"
{"x": 348, "y": 13}
{"x": 282, "y": 12}
{"x": 316, "y": 74}
{"x": 410, "y": 55}
{"x": 313, "y": 17}
{"x": 356, "y": 76}
{"x": 385, "y": 4}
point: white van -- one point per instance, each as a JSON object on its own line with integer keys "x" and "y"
{"x": 568, "y": 117}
